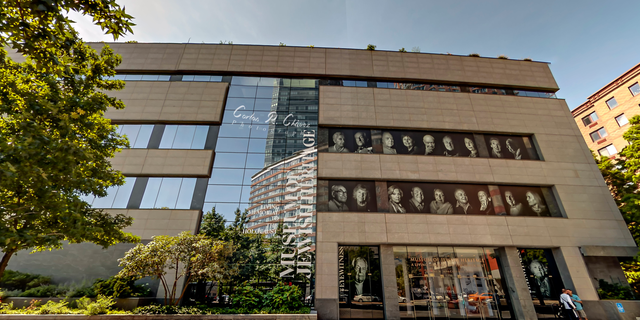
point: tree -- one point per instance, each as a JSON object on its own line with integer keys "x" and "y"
{"x": 213, "y": 225}
{"x": 622, "y": 176}
{"x": 192, "y": 257}
{"x": 54, "y": 142}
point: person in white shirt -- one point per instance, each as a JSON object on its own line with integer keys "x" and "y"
{"x": 567, "y": 305}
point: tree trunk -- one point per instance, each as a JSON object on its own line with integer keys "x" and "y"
{"x": 5, "y": 261}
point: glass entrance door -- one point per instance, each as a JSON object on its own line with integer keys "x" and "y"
{"x": 449, "y": 283}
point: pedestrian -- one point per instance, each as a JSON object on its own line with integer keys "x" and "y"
{"x": 567, "y": 305}
{"x": 578, "y": 303}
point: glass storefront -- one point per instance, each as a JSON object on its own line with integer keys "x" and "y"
{"x": 450, "y": 283}
{"x": 360, "y": 282}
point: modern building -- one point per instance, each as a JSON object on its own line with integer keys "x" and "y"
{"x": 604, "y": 117}
{"x": 434, "y": 186}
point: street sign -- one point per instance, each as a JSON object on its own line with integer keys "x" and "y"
{"x": 620, "y": 307}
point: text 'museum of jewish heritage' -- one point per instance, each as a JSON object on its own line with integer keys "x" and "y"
{"x": 409, "y": 185}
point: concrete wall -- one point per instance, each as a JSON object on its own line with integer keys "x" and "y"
{"x": 181, "y": 102}
{"x": 592, "y": 217}
{"x": 164, "y": 162}
{"x": 74, "y": 264}
{"x": 318, "y": 62}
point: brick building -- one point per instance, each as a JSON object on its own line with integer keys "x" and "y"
{"x": 604, "y": 117}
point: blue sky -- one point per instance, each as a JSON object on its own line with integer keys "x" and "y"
{"x": 588, "y": 43}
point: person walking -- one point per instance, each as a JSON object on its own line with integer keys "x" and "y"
{"x": 576, "y": 300}
{"x": 567, "y": 305}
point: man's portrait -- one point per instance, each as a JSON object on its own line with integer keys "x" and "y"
{"x": 439, "y": 205}
{"x": 515, "y": 208}
{"x": 362, "y": 142}
{"x": 388, "y": 143}
{"x": 539, "y": 272}
{"x": 338, "y": 202}
{"x": 360, "y": 269}
{"x": 416, "y": 204}
{"x": 338, "y": 140}
{"x": 462, "y": 202}
{"x": 514, "y": 148}
{"x": 429, "y": 144}
{"x": 485, "y": 202}
{"x": 449, "y": 147}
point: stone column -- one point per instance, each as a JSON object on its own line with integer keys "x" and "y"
{"x": 574, "y": 272}
{"x": 389, "y": 285}
{"x": 326, "y": 302}
{"x": 516, "y": 284}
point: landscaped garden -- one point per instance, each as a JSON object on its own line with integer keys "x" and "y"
{"x": 237, "y": 262}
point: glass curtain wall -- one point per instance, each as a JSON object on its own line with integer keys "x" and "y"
{"x": 262, "y": 150}
{"x": 450, "y": 283}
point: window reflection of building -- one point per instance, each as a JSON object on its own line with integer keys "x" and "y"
{"x": 269, "y": 188}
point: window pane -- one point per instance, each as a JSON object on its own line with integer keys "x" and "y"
{"x": 131, "y": 131}
{"x": 107, "y": 201}
{"x": 586, "y": 121}
{"x": 229, "y": 160}
{"x": 124, "y": 192}
{"x": 602, "y": 132}
{"x": 143, "y": 136}
{"x": 149, "y": 77}
{"x": 167, "y": 137}
{"x": 186, "y": 193}
{"x": 133, "y": 77}
{"x": 201, "y": 78}
{"x": 88, "y": 198}
{"x": 223, "y": 193}
{"x": 168, "y": 194}
{"x": 215, "y": 79}
{"x": 242, "y": 92}
{"x": 635, "y": 89}
{"x": 245, "y": 81}
{"x": 200, "y": 137}
{"x": 187, "y": 78}
{"x": 184, "y": 137}
{"x": 150, "y": 193}
{"x": 612, "y": 103}
{"x": 622, "y": 120}
{"x": 164, "y": 78}
{"x": 611, "y": 150}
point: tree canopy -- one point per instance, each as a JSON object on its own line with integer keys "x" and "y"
{"x": 622, "y": 175}
{"x": 55, "y": 143}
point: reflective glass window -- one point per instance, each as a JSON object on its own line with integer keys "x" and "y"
{"x": 634, "y": 89}
{"x": 133, "y": 77}
{"x": 612, "y": 103}
{"x": 117, "y": 196}
{"x": 168, "y": 136}
{"x": 124, "y": 193}
{"x": 598, "y": 134}
{"x": 186, "y": 193}
{"x": 591, "y": 118}
{"x": 151, "y": 193}
{"x": 245, "y": 81}
{"x": 168, "y": 193}
{"x": 608, "y": 151}
{"x": 184, "y": 137}
{"x": 622, "y": 120}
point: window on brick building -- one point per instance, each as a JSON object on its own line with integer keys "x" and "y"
{"x": 635, "y": 89}
{"x": 612, "y": 103}
{"x": 622, "y": 120}
{"x": 608, "y": 151}
{"x": 591, "y": 118}
{"x": 598, "y": 134}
